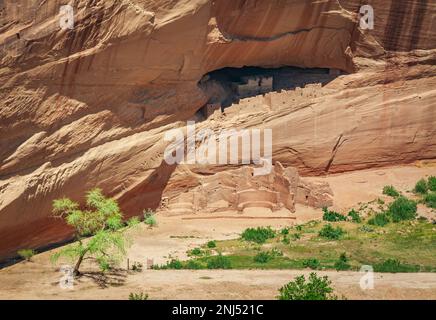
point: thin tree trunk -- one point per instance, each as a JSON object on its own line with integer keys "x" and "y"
{"x": 76, "y": 271}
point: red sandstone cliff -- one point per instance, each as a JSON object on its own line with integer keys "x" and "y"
{"x": 88, "y": 107}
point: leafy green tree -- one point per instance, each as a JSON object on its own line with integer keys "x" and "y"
{"x": 102, "y": 221}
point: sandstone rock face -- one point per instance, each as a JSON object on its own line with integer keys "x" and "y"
{"x": 90, "y": 106}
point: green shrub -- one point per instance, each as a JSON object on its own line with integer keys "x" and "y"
{"x": 211, "y": 244}
{"x": 332, "y": 216}
{"x": 193, "y": 265}
{"x": 296, "y": 236}
{"x": 138, "y": 296}
{"x": 390, "y": 191}
{"x": 430, "y": 200}
{"x": 258, "y": 235}
{"x": 402, "y": 209}
{"x": 150, "y": 221}
{"x": 262, "y": 257}
{"x": 421, "y": 187}
{"x": 342, "y": 263}
{"x": 380, "y": 219}
{"x": 366, "y": 228}
{"x": 147, "y": 213}
{"x": 195, "y": 252}
{"x": 432, "y": 183}
{"x": 311, "y": 263}
{"x": 394, "y": 266}
{"x": 276, "y": 252}
{"x": 219, "y": 262}
{"x": 316, "y": 288}
{"x": 422, "y": 219}
{"x": 137, "y": 266}
{"x": 284, "y": 231}
{"x": 355, "y": 217}
{"x": 286, "y": 240}
{"x": 331, "y": 233}
{"x": 173, "y": 264}
{"x": 26, "y": 254}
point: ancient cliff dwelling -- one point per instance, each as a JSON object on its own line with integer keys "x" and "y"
{"x": 229, "y": 85}
{"x": 217, "y": 149}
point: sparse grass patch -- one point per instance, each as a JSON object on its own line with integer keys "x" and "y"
{"x": 312, "y": 263}
{"x": 379, "y": 219}
{"x": 175, "y": 264}
{"x": 286, "y": 240}
{"x": 394, "y": 266}
{"x": 138, "y": 296}
{"x": 219, "y": 262}
{"x": 296, "y": 236}
{"x": 366, "y": 228}
{"x": 262, "y": 257}
{"x": 411, "y": 242}
{"x": 391, "y": 191}
{"x": 193, "y": 265}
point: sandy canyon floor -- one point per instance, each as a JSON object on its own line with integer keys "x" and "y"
{"x": 175, "y": 235}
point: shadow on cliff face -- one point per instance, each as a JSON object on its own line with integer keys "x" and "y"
{"x": 48, "y": 233}
{"x": 228, "y": 85}
{"x": 146, "y": 194}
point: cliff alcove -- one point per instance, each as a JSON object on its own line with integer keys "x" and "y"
{"x": 227, "y": 86}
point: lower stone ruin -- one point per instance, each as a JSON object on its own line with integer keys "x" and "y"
{"x": 238, "y": 189}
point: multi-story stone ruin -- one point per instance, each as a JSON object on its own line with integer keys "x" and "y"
{"x": 238, "y": 190}
{"x": 253, "y": 85}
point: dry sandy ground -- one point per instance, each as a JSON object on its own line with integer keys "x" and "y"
{"x": 175, "y": 235}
